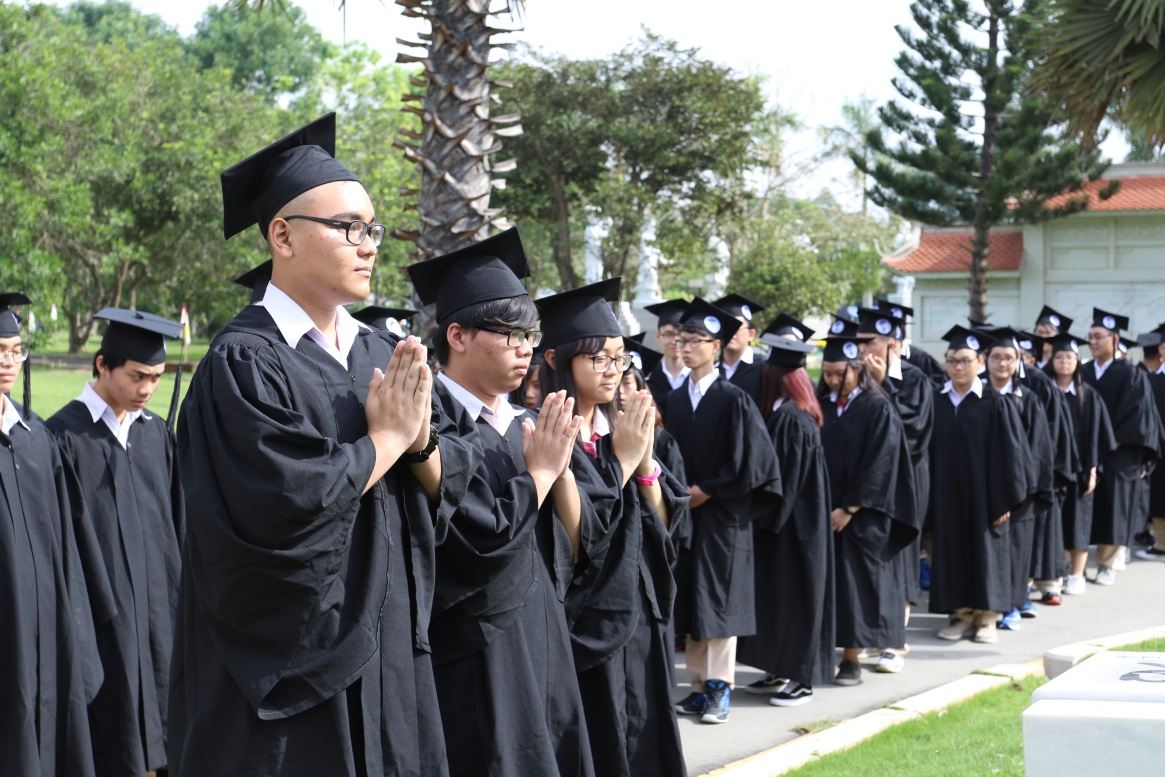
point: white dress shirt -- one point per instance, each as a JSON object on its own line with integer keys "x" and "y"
{"x": 10, "y": 417}
{"x": 294, "y": 322}
{"x": 499, "y": 419}
{"x": 100, "y": 410}
{"x": 698, "y": 388}
{"x": 675, "y": 381}
{"x": 1101, "y": 368}
{"x": 852, "y": 396}
{"x": 949, "y": 390}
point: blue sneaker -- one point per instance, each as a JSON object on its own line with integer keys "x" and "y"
{"x": 1011, "y": 620}
{"x": 1027, "y": 610}
{"x": 693, "y": 704}
{"x": 924, "y": 574}
{"x": 717, "y": 695}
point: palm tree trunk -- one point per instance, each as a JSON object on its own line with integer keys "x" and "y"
{"x": 977, "y": 303}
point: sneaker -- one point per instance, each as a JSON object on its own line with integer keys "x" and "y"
{"x": 1074, "y": 585}
{"x": 957, "y": 629}
{"x": 1105, "y": 576}
{"x": 1028, "y": 610}
{"x": 693, "y": 704}
{"x": 868, "y": 652}
{"x": 792, "y": 695}
{"x": 1009, "y": 622}
{"x": 717, "y": 695}
{"x": 1144, "y": 538}
{"x": 767, "y": 685}
{"x": 1051, "y": 599}
{"x": 848, "y": 673}
{"x": 890, "y": 663}
{"x": 924, "y": 574}
{"x": 1150, "y": 554}
{"x": 1119, "y": 561}
{"x": 985, "y": 632}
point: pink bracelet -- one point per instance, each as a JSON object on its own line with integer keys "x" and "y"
{"x": 650, "y": 479}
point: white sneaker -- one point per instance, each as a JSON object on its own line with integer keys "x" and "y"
{"x": 1105, "y": 576}
{"x": 1074, "y": 585}
{"x": 1119, "y": 561}
{"x": 890, "y": 663}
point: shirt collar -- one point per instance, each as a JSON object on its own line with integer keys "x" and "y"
{"x": 1101, "y": 368}
{"x": 976, "y": 388}
{"x": 1160, "y": 370}
{"x": 852, "y": 395}
{"x": 701, "y": 386}
{"x": 1071, "y": 388}
{"x": 99, "y": 408}
{"x": 1011, "y": 388}
{"x": 895, "y": 369}
{"x": 11, "y": 417}
{"x": 499, "y": 419}
{"x": 599, "y": 423}
{"x": 294, "y": 322}
{"x": 777, "y": 403}
{"x": 678, "y": 379}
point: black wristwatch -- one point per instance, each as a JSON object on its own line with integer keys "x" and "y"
{"x": 849, "y": 512}
{"x": 422, "y": 456}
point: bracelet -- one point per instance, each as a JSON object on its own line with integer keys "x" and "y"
{"x": 650, "y": 479}
{"x": 422, "y": 456}
{"x": 849, "y": 512}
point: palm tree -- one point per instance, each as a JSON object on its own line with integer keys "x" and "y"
{"x": 1104, "y": 57}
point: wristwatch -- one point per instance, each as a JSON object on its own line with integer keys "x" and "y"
{"x": 849, "y": 512}
{"x": 422, "y": 456}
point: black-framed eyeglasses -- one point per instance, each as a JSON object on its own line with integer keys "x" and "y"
{"x": 17, "y": 355}
{"x": 355, "y": 231}
{"x": 684, "y": 343}
{"x": 601, "y": 361}
{"x": 516, "y": 337}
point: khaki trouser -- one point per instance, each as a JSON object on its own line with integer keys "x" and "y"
{"x": 711, "y": 659}
{"x": 1106, "y": 555}
{"x": 1159, "y": 534}
{"x": 978, "y": 617}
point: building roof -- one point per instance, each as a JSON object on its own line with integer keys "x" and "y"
{"x": 1139, "y": 193}
{"x": 951, "y": 252}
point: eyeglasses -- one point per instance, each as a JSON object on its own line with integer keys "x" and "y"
{"x": 682, "y": 343}
{"x": 1000, "y": 358}
{"x": 516, "y": 337}
{"x": 355, "y": 231}
{"x": 667, "y": 335}
{"x": 960, "y": 363}
{"x": 1095, "y": 337}
{"x": 602, "y": 361}
{"x": 17, "y": 355}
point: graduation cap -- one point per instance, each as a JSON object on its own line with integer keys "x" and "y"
{"x": 739, "y": 306}
{"x": 1124, "y": 344}
{"x": 1066, "y": 342}
{"x": 1054, "y": 318}
{"x": 137, "y": 336}
{"x": 784, "y": 352}
{"x": 668, "y": 312}
{"x": 255, "y": 189}
{"x": 579, "y": 313}
{"x": 1150, "y": 339}
{"x": 960, "y": 337}
{"x": 643, "y": 358}
{"x": 388, "y": 319}
{"x": 878, "y": 322}
{"x": 10, "y": 327}
{"x": 703, "y": 316}
{"x": 784, "y": 324}
{"x": 256, "y": 279}
{"x": 848, "y": 313}
{"x": 842, "y": 327}
{"x": 1030, "y": 342}
{"x": 842, "y": 348}
{"x": 1109, "y": 321}
{"x": 899, "y": 311}
{"x": 488, "y": 270}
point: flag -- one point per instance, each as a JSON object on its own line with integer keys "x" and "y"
{"x": 184, "y": 320}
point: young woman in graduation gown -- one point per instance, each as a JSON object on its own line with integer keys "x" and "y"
{"x": 872, "y": 502}
{"x": 619, "y": 603}
{"x": 794, "y": 639}
{"x": 1094, "y": 441}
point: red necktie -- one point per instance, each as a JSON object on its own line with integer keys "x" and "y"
{"x": 589, "y": 447}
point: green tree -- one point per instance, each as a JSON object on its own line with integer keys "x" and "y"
{"x": 851, "y": 138}
{"x": 979, "y": 149}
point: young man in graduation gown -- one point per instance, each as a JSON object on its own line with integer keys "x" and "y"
{"x": 980, "y": 475}
{"x": 318, "y": 481}
{"x": 912, "y": 394}
{"x": 1136, "y": 424}
{"x": 1156, "y": 552}
{"x": 733, "y": 478}
{"x": 737, "y": 361}
{"x": 1049, "y": 323}
{"x": 49, "y": 669}
{"x": 124, "y": 457}
{"x": 501, "y": 644}
{"x": 907, "y": 351}
{"x": 669, "y": 374}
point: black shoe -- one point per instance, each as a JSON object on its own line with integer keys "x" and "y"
{"x": 1144, "y": 538}
{"x": 792, "y": 695}
{"x": 849, "y": 673}
{"x": 693, "y": 704}
{"x": 767, "y": 685}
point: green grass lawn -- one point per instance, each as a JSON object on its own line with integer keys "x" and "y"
{"x": 1156, "y": 645}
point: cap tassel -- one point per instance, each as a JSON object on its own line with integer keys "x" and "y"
{"x": 28, "y": 389}
{"x": 172, "y": 415}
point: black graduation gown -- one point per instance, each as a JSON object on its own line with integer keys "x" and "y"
{"x": 913, "y": 397}
{"x": 1047, "y": 561}
{"x": 1157, "y": 479}
{"x": 1089, "y": 424}
{"x": 618, "y": 607}
{"x": 48, "y": 666}
{"x": 794, "y": 561}
{"x": 1136, "y": 425}
{"x": 727, "y": 453}
{"x": 748, "y": 377}
{"x": 929, "y": 366}
{"x": 501, "y": 644}
{"x": 302, "y": 644}
{"x": 659, "y": 386}
{"x": 134, "y": 500}
{"x": 980, "y": 471}
{"x": 868, "y": 463}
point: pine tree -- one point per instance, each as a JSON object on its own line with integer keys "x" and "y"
{"x": 978, "y": 148}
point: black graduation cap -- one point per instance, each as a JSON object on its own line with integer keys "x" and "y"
{"x": 848, "y": 313}
{"x": 1109, "y": 321}
{"x": 901, "y": 311}
{"x": 842, "y": 327}
{"x": 842, "y": 348}
{"x": 9, "y": 321}
{"x": 578, "y": 313}
{"x": 1031, "y": 342}
{"x": 784, "y": 324}
{"x": 137, "y": 336}
{"x": 1053, "y": 318}
{"x": 488, "y": 270}
{"x": 878, "y": 322}
{"x": 1124, "y": 344}
{"x": 255, "y": 189}
{"x": 1066, "y": 342}
{"x": 1150, "y": 339}
{"x": 256, "y": 279}
{"x": 784, "y": 352}
{"x": 1003, "y": 336}
{"x": 739, "y": 306}
{"x": 703, "y": 316}
{"x": 643, "y": 358}
{"x": 668, "y": 312}
{"x": 960, "y": 337}
{"x": 389, "y": 319}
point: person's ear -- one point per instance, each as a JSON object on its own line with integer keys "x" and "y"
{"x": 551, "y": 357}
{"x": 457, "y": 338}
{"x": 279, "y": 238}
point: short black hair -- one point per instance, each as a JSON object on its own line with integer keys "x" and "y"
{"x": 110, "y": 360}
{"x": 511, "y": 312}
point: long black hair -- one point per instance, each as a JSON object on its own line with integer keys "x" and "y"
{"x": 1077, "y": 378}
{"x": 558, "y": 377}
{"x": 866, "y": 381}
